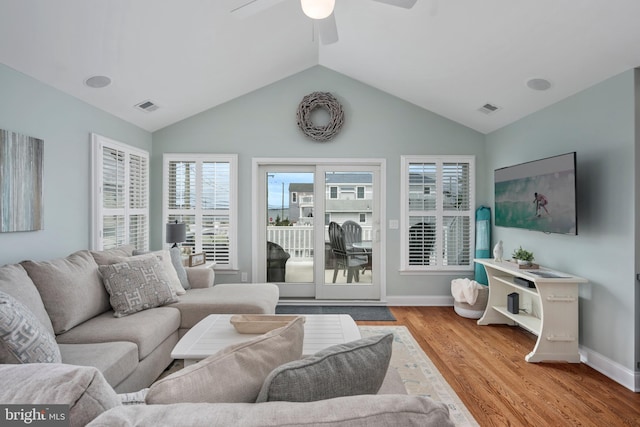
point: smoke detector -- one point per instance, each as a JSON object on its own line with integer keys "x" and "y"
{"x": 147, "y": 106}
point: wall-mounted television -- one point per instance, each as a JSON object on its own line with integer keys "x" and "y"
{"x": 538, "y": 195}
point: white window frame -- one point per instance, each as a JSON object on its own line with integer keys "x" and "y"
{"x": 98, "y": 211}
{"x": 198, "y": 212}
{"x": 439, "y": 212}
{"x": 337, "y": 195}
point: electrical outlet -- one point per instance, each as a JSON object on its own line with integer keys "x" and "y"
{"x": 244, "y": 276}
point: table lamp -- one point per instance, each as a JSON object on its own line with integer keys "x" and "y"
{"x": 176, "y": 233}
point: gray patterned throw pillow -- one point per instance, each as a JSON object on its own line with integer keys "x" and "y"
{"x": 357, "y": 367}
{"x": 23, "y": 338}
{"x": 137, "y": 285}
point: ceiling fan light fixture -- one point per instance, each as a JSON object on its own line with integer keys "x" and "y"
{"x": 317, "y": 9}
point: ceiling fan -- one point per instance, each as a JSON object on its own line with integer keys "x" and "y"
{"x": 321, "y": 11}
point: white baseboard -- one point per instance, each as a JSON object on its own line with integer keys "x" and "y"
{"x": 420, "y": 300}
{"x": 624, "y": 376}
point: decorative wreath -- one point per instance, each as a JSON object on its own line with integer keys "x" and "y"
{"x": 320, "y": 100}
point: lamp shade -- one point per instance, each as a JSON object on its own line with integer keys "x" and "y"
{"x": 317, "y": 9}
{"x": 176, "y": 232}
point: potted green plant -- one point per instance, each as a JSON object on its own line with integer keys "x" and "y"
{"x": 523, "y": 256}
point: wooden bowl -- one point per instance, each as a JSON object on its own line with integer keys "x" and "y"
{"x": 260, "y": 323}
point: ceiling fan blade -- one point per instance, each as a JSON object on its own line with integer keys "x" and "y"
{"x": 407, "y": 4}
{"x": 245, "y": 8}
{"x": 328, "y": 29}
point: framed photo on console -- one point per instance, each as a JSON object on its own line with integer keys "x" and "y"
{"x": 197, "y": 259}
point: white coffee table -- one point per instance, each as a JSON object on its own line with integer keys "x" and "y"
{"x": 215, "y": 332}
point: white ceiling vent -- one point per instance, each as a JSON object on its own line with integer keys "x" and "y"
{"x": 147, "y": 106}
{"x": 488, "y": 108}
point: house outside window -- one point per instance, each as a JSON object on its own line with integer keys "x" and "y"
{"x": 360, "y": 193}
{"x": 120, "y": 195}
{"x": 438, "y": 227}
{"x": 200, "y": 191}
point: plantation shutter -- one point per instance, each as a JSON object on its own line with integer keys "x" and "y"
{"x": 458, "y": 215}
{"x": 199, "y": 191}
{"x": 422, "y": 214}
{"x": 113, "y": 194}
{"x": 438, "y": 216}
{"x": 181, "y": 197}
{"x": 215, "y": 206}
{"x": 120, "y": 193}
{"x": 139, "y": 201}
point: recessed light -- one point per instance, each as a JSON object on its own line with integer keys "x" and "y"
{"x": 98, "y": 82}
{"x": 539, "y": 84}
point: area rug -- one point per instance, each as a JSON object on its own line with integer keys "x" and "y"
{"x": 419, "y": 374}
{"x": 371, "y": 313}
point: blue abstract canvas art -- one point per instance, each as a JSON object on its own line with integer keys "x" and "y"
{"x": 21, "y": 169}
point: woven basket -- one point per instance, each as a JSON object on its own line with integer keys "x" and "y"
{"x": 476, "y": 310}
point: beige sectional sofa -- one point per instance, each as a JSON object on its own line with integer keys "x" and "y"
{"x": 261, "y": 382}
{"x": 69, "y": 299}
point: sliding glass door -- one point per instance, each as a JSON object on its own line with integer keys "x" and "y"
{"x": 349, "y": 201}
{"x": 318, "y": 228}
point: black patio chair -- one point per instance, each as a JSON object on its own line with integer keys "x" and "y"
{"x": 344, "y": 259}
{"x": 276, "y": 262}
{"x": 353, "y": 234}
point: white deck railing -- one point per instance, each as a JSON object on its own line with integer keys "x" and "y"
{"x": 297, "y": 240}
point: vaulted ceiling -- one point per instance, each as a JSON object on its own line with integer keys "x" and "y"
{"x": 448, "y": 56}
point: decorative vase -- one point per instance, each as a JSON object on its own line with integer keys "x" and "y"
{"x": 523, "y": 262}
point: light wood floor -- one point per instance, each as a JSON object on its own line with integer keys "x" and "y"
{"x": 485, "y": 366}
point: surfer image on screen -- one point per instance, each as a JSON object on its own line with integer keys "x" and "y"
{"x": 541, "y": 202}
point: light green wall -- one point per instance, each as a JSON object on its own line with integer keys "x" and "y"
{"x": 263, "y": 124}
{"x": 599, "y": 124}
{"x": 64, "y": 123}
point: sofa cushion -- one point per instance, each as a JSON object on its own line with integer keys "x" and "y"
{"x": 164, "y": 256}
{"x": 234, "y": 374}
{"x": 244, "y": 298}
{"x": 357, "y": 367}
{"x": 70, "y": 287}
{"x": 106, "y": 256}
{"x": 84, "y": 389}
{"x": 147, "y": 329}
{"x": 116, "y": 360}
{"x": 138, "y": 284}
{"x": 200, "y": 277}
{"x": 176, "y": 260}
{"x": 352, "y": 411}
{"x": 15, "y": 281}
{"x": 23, "y": 338}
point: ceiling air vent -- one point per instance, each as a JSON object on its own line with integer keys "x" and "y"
{"x": 488, "y": 108}
{"x": 147, "y": 106}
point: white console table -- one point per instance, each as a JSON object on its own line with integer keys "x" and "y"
{"x": 550, "y": 310}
